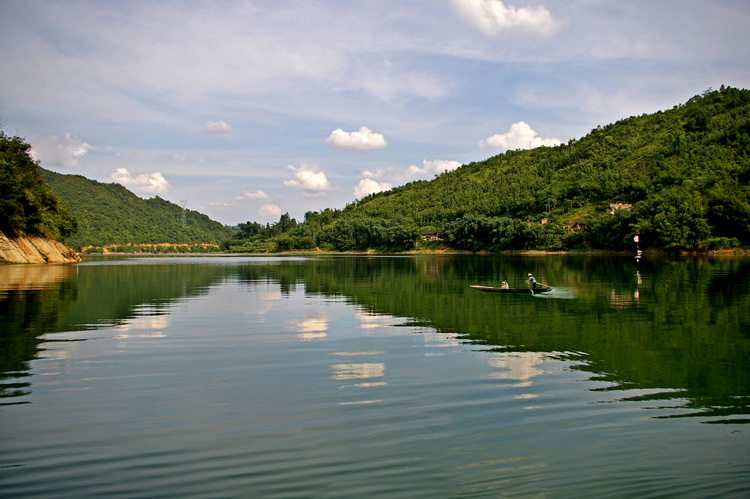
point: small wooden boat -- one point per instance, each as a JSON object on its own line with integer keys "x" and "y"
{"x": 527, "y": 291}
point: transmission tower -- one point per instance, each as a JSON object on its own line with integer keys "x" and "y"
{"x": 184, "y": 220}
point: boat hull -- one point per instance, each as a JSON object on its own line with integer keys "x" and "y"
{"x": 527, "y": 291}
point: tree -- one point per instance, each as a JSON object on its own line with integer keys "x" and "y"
{"x": 285, "y": 224}
{"x": 27, "y": 204}
{"x": 249, "y": 229}
{"x": 678, "y": 220}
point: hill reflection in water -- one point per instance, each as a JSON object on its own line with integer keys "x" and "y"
{"x": 673, "y": 329}
{"x": 374, "y": 376}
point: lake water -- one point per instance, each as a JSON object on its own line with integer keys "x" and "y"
{"x": 375, "y": 376}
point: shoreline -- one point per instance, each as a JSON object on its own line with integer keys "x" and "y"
{"x": 439, "y": 252}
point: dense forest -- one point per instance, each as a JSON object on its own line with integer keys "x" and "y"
{"x": 110, "y": 215}
{"x": 27, "y": 204}
{"x": 680, "y": 177}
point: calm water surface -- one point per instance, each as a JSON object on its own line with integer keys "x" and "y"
{"x": 375, "y": 376}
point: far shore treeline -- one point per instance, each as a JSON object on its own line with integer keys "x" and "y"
{"x": 679, "y": 178}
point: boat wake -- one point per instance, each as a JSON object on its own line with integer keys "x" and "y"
{"x": 558, "y": 293}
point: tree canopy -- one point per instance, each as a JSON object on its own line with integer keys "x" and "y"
{"x": 27, "y": 204}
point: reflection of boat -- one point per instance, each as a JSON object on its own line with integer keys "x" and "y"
{"x": 513, "y": 290}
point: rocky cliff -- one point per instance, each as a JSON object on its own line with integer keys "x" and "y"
{"x": 34, "y": 249}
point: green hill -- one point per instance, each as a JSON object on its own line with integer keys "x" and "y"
{"x": 110, "y": 215}
{"x": 681, "y": 177}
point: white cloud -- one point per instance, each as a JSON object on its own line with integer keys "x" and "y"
{"x": 362, "y": 140}
{"x": 416, "y": 75}
{"x": 66, "y": 152}
{"x": 390, "y": 82}
{"x": 269, "y": 210}
{"x": 387, "y": 87}
{"x": 433, "y": 167}
{"x": 493, "y": 17}
{"x": 394, "y": 175}
{"x": 385, "y": 178}
{"x": 217, "y": 127}
{"x": 252, "y": 195}
{"x": 520, "y": 136}
{"x": 389, "y": 176}
{"x": 309, "y": 179}
{"x": 152, "y": 183}
{"x": 368, "y": 186}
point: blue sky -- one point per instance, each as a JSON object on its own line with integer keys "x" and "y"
{"x": 251, "y": 109}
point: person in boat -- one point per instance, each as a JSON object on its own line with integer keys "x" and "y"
{"x": 505, "y": 285}
{"x": 532, "y": 281}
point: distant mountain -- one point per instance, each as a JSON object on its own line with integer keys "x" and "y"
{"x": 681, "y": 177}
{"x": 110, "y": 215}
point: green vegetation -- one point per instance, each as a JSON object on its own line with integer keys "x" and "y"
{"x": 27, "y": 204}
{"x": 681, "y": 177}
{"x": 110, "y": 215}
{"x": 90, "y": 214}
{"x": 682, "y": 174}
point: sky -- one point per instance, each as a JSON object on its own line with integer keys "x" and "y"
{"x": 246, "y": 110}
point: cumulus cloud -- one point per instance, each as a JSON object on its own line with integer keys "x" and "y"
{"x": 309, "y": 179}
{"x": 434, "y": 167}
{"x": 252, "y": 195}
{"x": 152, "y": 183}
{"x": 269, "y": 210}
{"x": 520, "y": 136}
{"x": 493, "y": 17}
{"x": 66, "y": 152}
{"x": 385, "y": 178}
{"x": 389, "y": 176}
{"x": 368, "y": 186}
{"x": 217, "y": 127}
{"x": 362, "y": 140}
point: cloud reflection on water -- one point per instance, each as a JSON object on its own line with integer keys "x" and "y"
{"x": 312, "y": 329}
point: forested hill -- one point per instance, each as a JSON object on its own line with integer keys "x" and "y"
{"x": 110, "y": 215}
{"x": 27, "y": 204}
{"x": 681, "y": 177}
